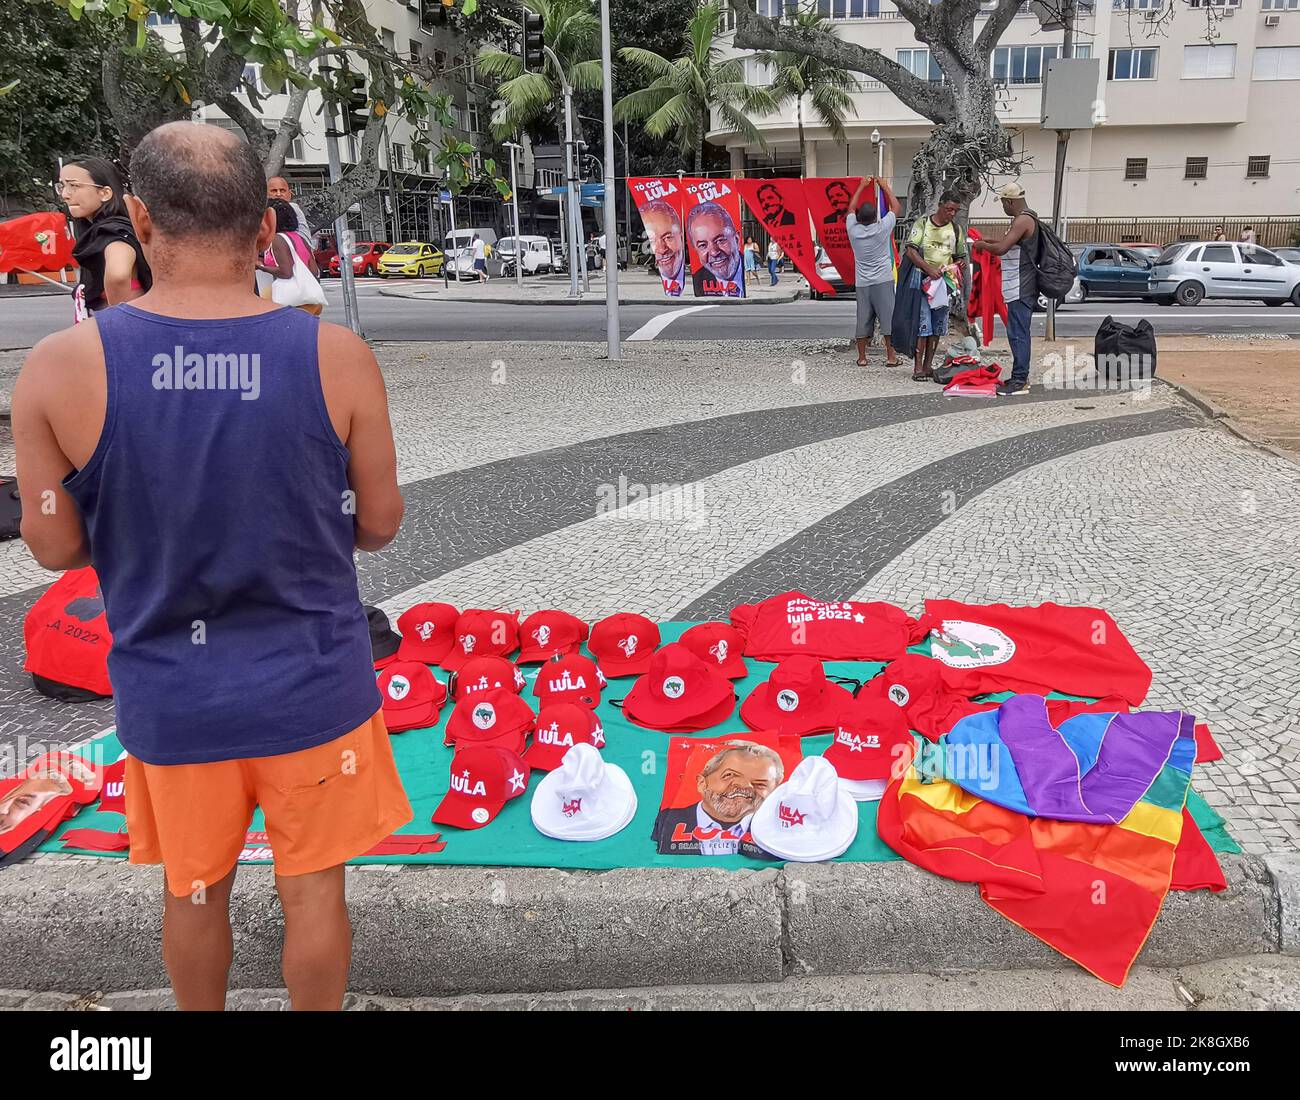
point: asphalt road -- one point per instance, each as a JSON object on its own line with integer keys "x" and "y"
{"x": 23, "y": 321}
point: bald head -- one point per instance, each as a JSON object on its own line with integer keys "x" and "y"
{"x": 277, "y": 187}
{"x": 200, "y": 181}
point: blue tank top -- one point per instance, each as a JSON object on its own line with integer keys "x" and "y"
{"x": 217, "y": 508}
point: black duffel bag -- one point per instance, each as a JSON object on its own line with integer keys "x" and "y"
{"x": 1125, "y": 353}
{"x": 11, "y": 509}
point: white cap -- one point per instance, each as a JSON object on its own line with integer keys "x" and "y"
{"x": 584, "y": 798}
{"x": 809, "y": 817}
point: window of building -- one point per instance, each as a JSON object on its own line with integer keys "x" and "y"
{"x": 416, "y": 49}
{"x": 253, "y": 77}
{"x": 471, "y": 118}
{"x": 161, "y": 19}
{"x": 1132, "y": 64}
{"x": 297, "y": 150}
{"x": 1022, "y": 64}
{"x": 920, "y": 64}
{"x": 1277, "y": 63}
{"x": 1209, "y": 62}
{"x": 1137, "y": 5}
{"x": 476, "y": 164}
{"x": 1135, "y": 168}
{"x": 1197, "y": 168}
{"x": 439, "y": 60}
{"x": 399, "y": 155}
{"x": 833, "y": 9}
{"x": 1279, "y": 5}
{"x": 758, "y": 74}
{"x": 1214, "y": 3}
{"x": 1257, "y": 168}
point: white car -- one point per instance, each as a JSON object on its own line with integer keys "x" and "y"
{"x": 1190, "y": 271}
{"x": 537, "y": 257}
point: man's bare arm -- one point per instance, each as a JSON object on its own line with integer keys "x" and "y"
{"x": 1022, "y": 225}
{"x": 52, "y": 525}
{"x": 355, "y": 384}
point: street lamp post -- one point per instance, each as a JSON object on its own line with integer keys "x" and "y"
{"x": 613, "y": 338}
{"x": 570, "y": 173}
{"x": 514, "y": 195}
{"x": 879, "y": 143}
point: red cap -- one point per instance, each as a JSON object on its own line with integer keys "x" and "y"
{"x": 569, "y": 679}
{"x": 483, "y": 779}
{"x": 480, "y": 674}
{"x": 547, "y": 634}
{"x": 482, "y": 634}
{"x": 719, "y": 645}
{"x": 495, "y": 717}
{"x": 427, "y": 630}
{"x": 560, "y": 726}
{"x": 796, "y": 698}
{"x": 623, "y": 644}
{"x": 679, "y": 693}
{"x": 412, "y": 696}
{"x": 870, "y": 739}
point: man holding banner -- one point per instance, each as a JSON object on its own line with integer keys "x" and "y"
{"x": 871, "y": 236}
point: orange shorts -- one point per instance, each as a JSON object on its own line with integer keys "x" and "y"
{"x": 323, "y": 806}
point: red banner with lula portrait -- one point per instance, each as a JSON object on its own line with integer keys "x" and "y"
{"x": 780, "y": 205}
{"x": 659, "y": 202}
{"x": 711, "y": 210}
{"x": 828, "y": 200}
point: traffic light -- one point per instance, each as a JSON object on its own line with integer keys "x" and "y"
{"x": 534, "y": 44}
{"x": 355, "y": 103}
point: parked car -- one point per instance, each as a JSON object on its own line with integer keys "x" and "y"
{"x": 1190, "y": 271}
{"x": 534, "y": 252}
{"x": 1291, "y": 255}
{"x": 1111, "y": 271}
{"x": 410, "y": 258}
{"x": 323, "y": 251}
{"x": 365, "y": 258}
{"x": 827, "y": 270}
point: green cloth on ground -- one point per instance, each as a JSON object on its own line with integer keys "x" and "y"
{"x": 512, "y": 841}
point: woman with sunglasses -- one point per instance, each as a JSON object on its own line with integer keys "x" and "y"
{"x": 113, "y": 267}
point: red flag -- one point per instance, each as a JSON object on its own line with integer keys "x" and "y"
{"x": 828, "y": 199}
{"x": 659, "y": 202}
{"x": 780, "y": 205}
{"x": 712, "y": 213}
{"x": 36, "y": 242}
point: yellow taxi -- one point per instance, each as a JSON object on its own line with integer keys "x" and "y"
{"x": 412, "y": 259}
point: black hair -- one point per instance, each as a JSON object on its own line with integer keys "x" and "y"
{"x": 866, "y": 214}
{"x": 199, "y": 181}
{"x": 286, "y": 220}
{"x": 769, "y": 187}
{"x": 950, "y": 196}
{"x": 104, "y": 173}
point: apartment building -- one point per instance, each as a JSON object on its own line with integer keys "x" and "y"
{"x": 406, "y": 203}
{"x": 1187, "y": 127}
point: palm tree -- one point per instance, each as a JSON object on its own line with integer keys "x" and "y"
{"x": 798, "y": 76}
{"x": 571, "y": 31}
{"x": 681, "y": 94}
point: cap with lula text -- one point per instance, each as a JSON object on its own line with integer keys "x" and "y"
{"x": 483, "y": 779}
{"x": 559, "y": 727}
{"x": 480, "y": 674}
{"x": 572, "y": 678}
{"x": 872, "y": 745}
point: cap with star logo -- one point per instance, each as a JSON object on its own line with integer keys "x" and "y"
{"x": 412, "y": 696}
{"x": 480, "y": 674}
{"x": 718, "y": 644}
{"x": 428, "y": 631}
{"x": 547, "y": 634}
{"x": 572, "y": 678}
{"x": 872, "y": 746}
{"x": 797, "y": 698}
{"x": 482, "y": 633}
{"x": 809, "y": 817}
{"x": 483, "y": 779}
{"x": 623, "y": 644}
{"x": 586, "y": 798}
{"x": 559, "y": 727}
{"x": 496, "y": 717}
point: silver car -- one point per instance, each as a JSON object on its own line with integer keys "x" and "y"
{"x": 1190, "y": 271}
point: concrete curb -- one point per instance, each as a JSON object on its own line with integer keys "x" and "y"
{"x": 1220, "y": 414}
{"x": 594, "y": 297}
{"x": 85, "y": 924}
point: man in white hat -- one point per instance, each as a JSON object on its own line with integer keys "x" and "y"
{"x": 1019, "y": 282}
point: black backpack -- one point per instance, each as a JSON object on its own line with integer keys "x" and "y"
{"x": 1054, "y": 263}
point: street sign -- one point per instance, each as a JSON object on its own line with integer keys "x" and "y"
{"x": 444, "y": 196}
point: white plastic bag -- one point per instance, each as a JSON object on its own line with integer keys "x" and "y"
{"x": 302, "y": 289}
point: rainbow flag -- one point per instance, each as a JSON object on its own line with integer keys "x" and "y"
{"x": 1090, "y": 881}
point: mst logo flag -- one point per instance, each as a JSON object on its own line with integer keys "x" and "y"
{"x": 712, "y": 211}
{"x": 828, "y": 199}
{"x": 780, "y": 205}
{"x": 35, "y": 242}
{"x": 659, "y": 202}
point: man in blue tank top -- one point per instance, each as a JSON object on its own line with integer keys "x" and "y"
{"x": 218, "y": 458}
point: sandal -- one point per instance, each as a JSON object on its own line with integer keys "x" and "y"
{"x": 923, "y": 376}
{"x": 862, "y": 363}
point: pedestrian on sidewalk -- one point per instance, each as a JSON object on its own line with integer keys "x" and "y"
{"x": 108, "y": 254}
{"x": 277, "y": 187}
{"x": 775, "y": 255}
{"x": 220, "y": 504}
{"x": 871, "y": 236}
{"x": 1219, "y": 234}
{"x": 1019, "y": 285}
{"x": 1248, "y": 235}
{"x": 933, "y": 245}
{"x": 751, "y": 260}
{"x": 290, "y": 285}
{"x": 480, "y": 258}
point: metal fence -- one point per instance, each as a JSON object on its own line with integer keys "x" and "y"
{"x": 1272, "y": 231}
